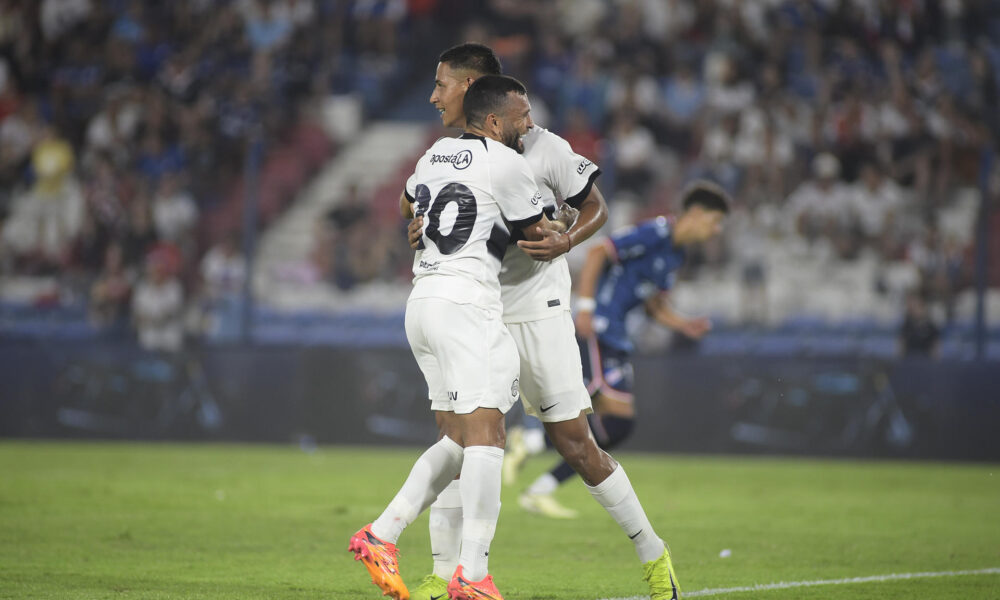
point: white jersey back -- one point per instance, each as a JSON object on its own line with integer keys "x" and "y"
{"x": 531, "y": 289}
{"x": 465, "y": 188}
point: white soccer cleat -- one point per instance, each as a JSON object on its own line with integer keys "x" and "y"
{"x": 515, "y": 455}
{"x": 546, "y": 505}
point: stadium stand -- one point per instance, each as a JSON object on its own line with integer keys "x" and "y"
{"x": 851, "y": 135}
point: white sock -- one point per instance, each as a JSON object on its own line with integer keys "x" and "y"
{"x": 545, "y": 484}
{"x": 616, "y": 495}
{"x": 437, "y": 466}
{"x": 534, "y": 440}
{"x": 446, "y": 530}
{"x": 480, "y": 506}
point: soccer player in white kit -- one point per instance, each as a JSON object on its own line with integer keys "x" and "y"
{"x": 536, "y": 296}
{"x": 472, "y": 192}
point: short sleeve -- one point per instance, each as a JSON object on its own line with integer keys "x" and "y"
{"x": 570, "y": 175}
{"x": 410, "y": 190}
{"x": 515, "y": 190}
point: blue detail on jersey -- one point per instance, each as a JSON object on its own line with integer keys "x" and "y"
{"x": 647, "y": 263}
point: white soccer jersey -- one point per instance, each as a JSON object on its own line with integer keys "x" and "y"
{"x": 465, "y": 188}
{"x": 533, "y": 289}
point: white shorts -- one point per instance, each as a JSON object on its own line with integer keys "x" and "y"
{"x": 552, "y": 387}
{"x": 466, "y": 355}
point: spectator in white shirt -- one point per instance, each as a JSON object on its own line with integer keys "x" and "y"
{"x": 158, "y": 305}
{"x": 877, "y": 201}
{"x": 223, "y": 273}
{"x": 174, "y": 211}
{"x": 822, "y": 208}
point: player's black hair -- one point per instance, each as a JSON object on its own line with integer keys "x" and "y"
{"x": 487, "y": 95}
{"x": 472, "y": 56}
{"x": 706, "y": 195}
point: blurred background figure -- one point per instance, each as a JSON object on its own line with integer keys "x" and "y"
{"x": 46, "y": 219}
{"x": 223, "y": 275}
{"x": 111, "y": 292}
{"x": 822, "y": 210}
{"x": 919, "y": 335}
{"x": 158, "y": 304}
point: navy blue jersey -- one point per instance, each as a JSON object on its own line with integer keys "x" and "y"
{"x": 644, "y": 263}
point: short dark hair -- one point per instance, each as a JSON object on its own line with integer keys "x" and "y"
{"x": 487, "y": 95}
{"x": 707, "y": 195}
{"x": 472, "y": 56}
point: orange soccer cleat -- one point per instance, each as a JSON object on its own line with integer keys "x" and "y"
{"x": 380, "y": 559}
{"x": 461, "y": 588}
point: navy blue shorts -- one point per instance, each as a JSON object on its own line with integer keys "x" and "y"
{"x": 606, "y": 371}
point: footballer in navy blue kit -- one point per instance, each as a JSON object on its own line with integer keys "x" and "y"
{"x": 635, "y": 267}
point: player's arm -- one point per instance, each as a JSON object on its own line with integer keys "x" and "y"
{"x": 415, "y": 230}
{"x": 572, "y": 177}
{"x": 537, "y": 229}
{"x": 593, "y": 216}
{"x": 518, "y": 197}
{"x": 405, "y": 206}
{"x": 593, "y": 213}
{"x": 586, "y": 287}
{"x": 658, "y": 307}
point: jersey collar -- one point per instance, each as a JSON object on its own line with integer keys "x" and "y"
{"x": 471, "y": 136}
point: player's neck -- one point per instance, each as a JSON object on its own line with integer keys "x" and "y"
{"x": 481, "y": 132}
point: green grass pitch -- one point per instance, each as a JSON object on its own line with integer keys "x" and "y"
{"x": 114, "y": 521}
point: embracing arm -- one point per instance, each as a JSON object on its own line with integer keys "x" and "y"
{"x": 535, "y": 231}
{"x": 540, "y": 229}
{"x": 593, "y": 215}
{"x": 405, "y": 208}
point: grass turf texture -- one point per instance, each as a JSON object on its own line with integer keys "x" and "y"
{"x": 88, "y": 520}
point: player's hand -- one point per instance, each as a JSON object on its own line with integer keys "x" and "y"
{"x": 414, "y": 231}
{"x": 695, "y": 328}
{"x": 566, "y": 215}
{"x": 552, "y": 244}
{"x": 584, "y": 324}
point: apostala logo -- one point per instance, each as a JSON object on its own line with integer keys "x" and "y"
{"x": 514, "y": 388}
{"x": 460, "y": 160}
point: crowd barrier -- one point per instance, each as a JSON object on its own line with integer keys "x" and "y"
{"x": 328, "y": 395}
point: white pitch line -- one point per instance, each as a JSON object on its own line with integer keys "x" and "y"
{"x": 797, "y": 584}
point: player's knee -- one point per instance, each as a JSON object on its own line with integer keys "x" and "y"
{"x": 482, "y": 427}
{"x": 448, "y": 425}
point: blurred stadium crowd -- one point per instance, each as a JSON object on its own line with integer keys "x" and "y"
{"x": 849, "y": 132}
{"x": 126, "y": 127}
